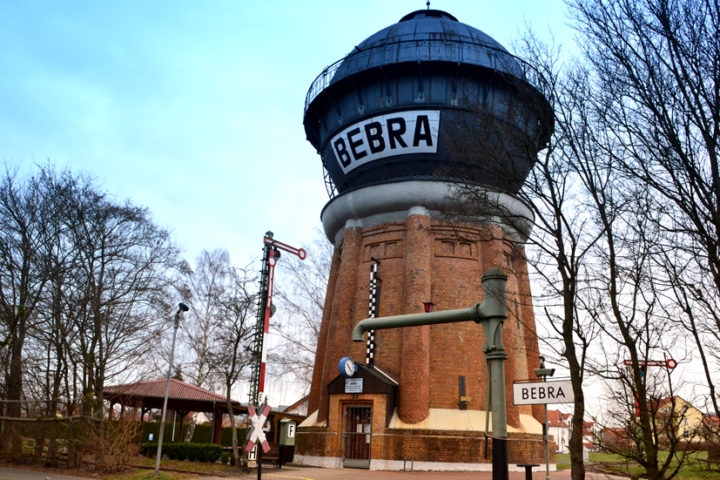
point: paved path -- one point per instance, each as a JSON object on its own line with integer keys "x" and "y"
{"x": 310, "y": 473}
{"x": 23, "y": 474}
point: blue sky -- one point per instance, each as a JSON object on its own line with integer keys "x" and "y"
{"x": 194, "y": 108}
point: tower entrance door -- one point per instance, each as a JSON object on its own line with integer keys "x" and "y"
{"x": 357, "y": 437}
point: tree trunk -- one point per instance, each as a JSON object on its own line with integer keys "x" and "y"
{"x": 233, "y": 427}
{"x": 12, "y": 439}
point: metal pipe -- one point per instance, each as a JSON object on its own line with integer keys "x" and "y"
{"x": 491, "y": 313}
{"x": 492, "y": 306}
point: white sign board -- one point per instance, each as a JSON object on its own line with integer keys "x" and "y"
{"x": 353, "y": 385}
{"x": 398, "y": 133}
{"x": 538, "y": 393}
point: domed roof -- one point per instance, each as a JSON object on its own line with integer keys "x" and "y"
{"x": 434, "y": 26}
{"x": 421, "y": 36}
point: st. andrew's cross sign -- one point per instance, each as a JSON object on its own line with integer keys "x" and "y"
{"x": 256, "y": 433}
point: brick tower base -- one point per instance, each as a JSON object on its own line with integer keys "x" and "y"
{"x": 419, "y": 400}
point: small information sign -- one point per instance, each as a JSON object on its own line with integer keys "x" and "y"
{"x": 353, "y": 385}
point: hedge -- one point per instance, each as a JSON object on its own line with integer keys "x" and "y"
{"x": 195, "y": 452}
{"x": 202, "y": 433}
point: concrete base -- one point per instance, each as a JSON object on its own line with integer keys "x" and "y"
{"x": 313, "y": 461}
{"x": 410, "y": 465}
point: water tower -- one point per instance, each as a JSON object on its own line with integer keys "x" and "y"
{"x": 409, "y": 118}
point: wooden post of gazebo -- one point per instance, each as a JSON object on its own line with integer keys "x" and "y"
{"x": 217, "y": 424}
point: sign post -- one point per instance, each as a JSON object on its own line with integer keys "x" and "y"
{"x": 542, "y": 393}
{"x": 256, "y": 434}
{"x": 543, "y": 373}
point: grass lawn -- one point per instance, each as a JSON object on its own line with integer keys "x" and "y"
{"x": 142, "y": 474}
{"x": 692, "y": 469}
{"x": 143, "y": 468}
{"x": 205, "y": 468}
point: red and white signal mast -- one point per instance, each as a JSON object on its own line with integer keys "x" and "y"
{"x": 271, "y": 254}
{"x": 668, "y": 363}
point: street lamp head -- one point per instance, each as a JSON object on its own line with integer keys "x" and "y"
{"x": 182, "y": 307}
{"x": 542, "y": 371}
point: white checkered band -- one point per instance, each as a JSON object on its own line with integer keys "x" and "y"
{"x": 372, "y": 312}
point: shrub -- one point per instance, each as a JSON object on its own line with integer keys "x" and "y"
{"x": 195, "y": 452}
{"x": 115, "y": 444}
{"x": 202, "y": 433}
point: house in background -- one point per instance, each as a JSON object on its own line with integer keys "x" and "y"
{"x": 299, "y": 408}
{"x": 674, "y": 418}
{"x": 681, "y": 416}
{"x": 615, "y": 439}
{"x": 589, "y": 437}
{"x": 559, "y": 428}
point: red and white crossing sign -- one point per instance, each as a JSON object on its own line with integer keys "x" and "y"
{"x": 256, "y": 433}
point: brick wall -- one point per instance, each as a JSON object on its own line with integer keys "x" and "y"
{"x": 422, "y": 260}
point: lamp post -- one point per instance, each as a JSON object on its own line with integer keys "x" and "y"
{"x": 181, "y": 308}
{"x": 543, "y": 373}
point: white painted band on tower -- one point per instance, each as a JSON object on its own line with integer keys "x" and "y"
{"x": 394, "y": 202}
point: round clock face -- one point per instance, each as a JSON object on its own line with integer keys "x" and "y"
{"x": 349, "y": 367}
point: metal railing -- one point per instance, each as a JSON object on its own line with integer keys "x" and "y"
{"x": 466, "y": 50}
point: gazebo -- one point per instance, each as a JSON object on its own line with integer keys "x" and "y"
{"x": 183, "y": 398}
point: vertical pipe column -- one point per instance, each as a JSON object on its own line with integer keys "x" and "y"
{"x": 494, "y": 286}
{"x": 341, "y": 321}
{"x": 493, "y": 254}
{"x": 414, "y": 391}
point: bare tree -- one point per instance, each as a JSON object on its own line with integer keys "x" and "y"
{"x": 230, "y": 352}
{"x": 219, "y": 325}
{"x": 657, "y": 64}
{"x": 300, "y": 296}
{"x": 564, "y": 234}
{"x": 121, "y": 284}
{"x": 627, "y": 297}
{"x": 25, "y": 211}
{"x": 202, "y": 289}
{"x": 83, "y": 278}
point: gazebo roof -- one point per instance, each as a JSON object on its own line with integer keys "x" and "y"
{"x": 181, "y": 397}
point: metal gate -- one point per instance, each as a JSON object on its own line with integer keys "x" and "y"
{"x": 357, "y": 437}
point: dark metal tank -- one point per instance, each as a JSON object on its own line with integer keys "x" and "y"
{"x": 428, "y": 98}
